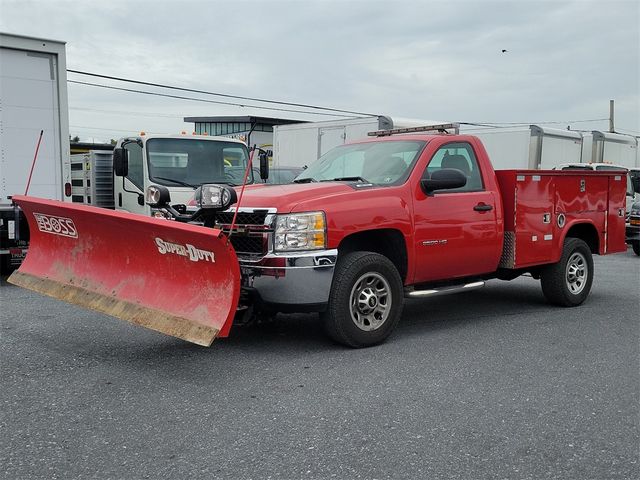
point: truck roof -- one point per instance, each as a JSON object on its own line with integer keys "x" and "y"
{"x": 183, "y": 136}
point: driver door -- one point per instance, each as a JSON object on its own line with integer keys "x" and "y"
{"x": 128, "y": 190}
{"x": 456, "y": 234}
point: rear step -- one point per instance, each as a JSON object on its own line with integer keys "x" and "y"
{"x": 433, "y": 292}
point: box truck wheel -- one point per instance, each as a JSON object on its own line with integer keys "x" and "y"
{"x": 366, "y": 300}
{"x": 568, "y": 282}
{"x": 636, "y": 247}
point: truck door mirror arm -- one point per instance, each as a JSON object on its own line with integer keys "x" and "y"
{"x": 443, "y": 179}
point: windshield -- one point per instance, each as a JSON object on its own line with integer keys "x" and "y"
{"x": 278, "y": 175}
{"x": 382, "y": 163}
{"x": 191, "y": 162}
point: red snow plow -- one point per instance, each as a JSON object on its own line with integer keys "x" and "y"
{"x": 176, "y": 278}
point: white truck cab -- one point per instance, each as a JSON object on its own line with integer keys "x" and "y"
{"x": 179, "y": 162}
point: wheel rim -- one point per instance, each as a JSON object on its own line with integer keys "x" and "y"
{"x": 370, "y": 301}
{"x": 577, "y": 273}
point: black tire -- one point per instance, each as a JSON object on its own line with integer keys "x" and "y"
{"x": 636, "y": 247}
{"x": 367, "y": 290}
{"x": 5, "y": 265}
{"x": 568, "y": 282}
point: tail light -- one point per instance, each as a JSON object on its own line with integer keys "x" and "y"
{"x": 67, "y": 189}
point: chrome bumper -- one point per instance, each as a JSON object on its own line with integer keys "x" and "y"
{"x": 295, "y": 279}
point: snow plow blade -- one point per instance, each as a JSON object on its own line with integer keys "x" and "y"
{"x": 179, "y": 279}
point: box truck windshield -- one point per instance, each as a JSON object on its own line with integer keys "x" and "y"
{"x": 189, "y": 162}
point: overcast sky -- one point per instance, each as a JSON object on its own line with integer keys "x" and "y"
{"x": 416, "y": 59}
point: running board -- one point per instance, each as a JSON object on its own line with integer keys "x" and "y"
{"x": 433, "y": 292}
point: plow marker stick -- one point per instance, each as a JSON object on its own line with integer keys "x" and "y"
{"x": 33, "y": 164}
{"x": 179, "y": 279}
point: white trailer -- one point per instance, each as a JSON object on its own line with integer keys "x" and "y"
{"x": 33, "y": 98}
{"x": 614, "y": 148}
{"x": 33, "y": 95}
{"x": 300, "y": 144}
{"x": 532, "y": 147}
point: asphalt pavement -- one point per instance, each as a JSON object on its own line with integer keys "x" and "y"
{"x": 493, "y": 383}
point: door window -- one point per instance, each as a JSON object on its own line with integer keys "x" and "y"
{"x": 461, "y": 157}
{"x": 136, "y": 174}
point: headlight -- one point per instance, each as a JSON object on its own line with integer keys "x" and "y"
{"x": 300, "y": 231}
{"x": 217, "y": 196}
{"x": 157, "y": 195}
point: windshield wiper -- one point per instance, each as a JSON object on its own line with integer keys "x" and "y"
{"x": 185, "y": 184}
{"x": 347, "y": 179}
{"x": 305, "y": 180}
{"x": 179, "y": 182}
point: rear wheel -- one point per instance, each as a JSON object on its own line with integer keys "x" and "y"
{"x": 365, "y": 303}
{"x": 568, "y": 282}
{"x": 636, "y": 247}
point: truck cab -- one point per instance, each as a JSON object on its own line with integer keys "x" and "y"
{"x": 179, "y": 162}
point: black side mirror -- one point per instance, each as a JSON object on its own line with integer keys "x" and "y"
{"x": 444, "y": 179}
{"x": 120, "y": 162}
{"x": 264, "y": 166}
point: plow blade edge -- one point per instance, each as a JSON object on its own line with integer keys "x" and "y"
{"x": 179, "y": 279}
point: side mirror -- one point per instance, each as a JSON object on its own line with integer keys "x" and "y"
{"x": 264, "y": 166}
{"x": 444, "y": 179}
{"x": 120, "y": 162}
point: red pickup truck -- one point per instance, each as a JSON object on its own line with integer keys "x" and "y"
{"x": 365, "y": 226}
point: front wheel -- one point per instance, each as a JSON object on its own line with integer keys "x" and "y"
{"x": 365, "y": 303}
{"x": 636, "y": 247}
{"x": 568, "y": 282}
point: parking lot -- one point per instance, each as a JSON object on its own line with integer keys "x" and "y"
{"x": 493, "y": 383}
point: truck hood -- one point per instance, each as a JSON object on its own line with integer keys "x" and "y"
{"x": 285, "y": 197}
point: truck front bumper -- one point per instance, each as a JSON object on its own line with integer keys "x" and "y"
{"x": 293, "y": 281}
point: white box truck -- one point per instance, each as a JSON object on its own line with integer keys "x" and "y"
{"x": 33, "y": 98}
{"x": 606, "y": 147}
{"x": 532, "y": 147}
{"x": 300, "y": 144}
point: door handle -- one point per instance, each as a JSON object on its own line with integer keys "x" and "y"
{"x": 482, "y": 207}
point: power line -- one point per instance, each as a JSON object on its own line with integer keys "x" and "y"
{"x": 239, "y": 97}
{"x": 501, "y": 124}
{"x": 144, "y": 92}
{"x": 633, "y": 132}
{"x": 131, "y": 131}
{"x": 122, "y": 112}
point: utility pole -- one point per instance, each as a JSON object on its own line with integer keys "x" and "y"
{"x": 611, "y": 129}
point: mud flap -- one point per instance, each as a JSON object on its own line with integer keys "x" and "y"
{"x": 179, "y": 279}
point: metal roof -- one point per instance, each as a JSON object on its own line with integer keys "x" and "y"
{"x": 243, "y": 119}
{"x": 27, "y": 37}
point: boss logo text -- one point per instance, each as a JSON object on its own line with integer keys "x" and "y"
{"x": 56, "y": 225}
